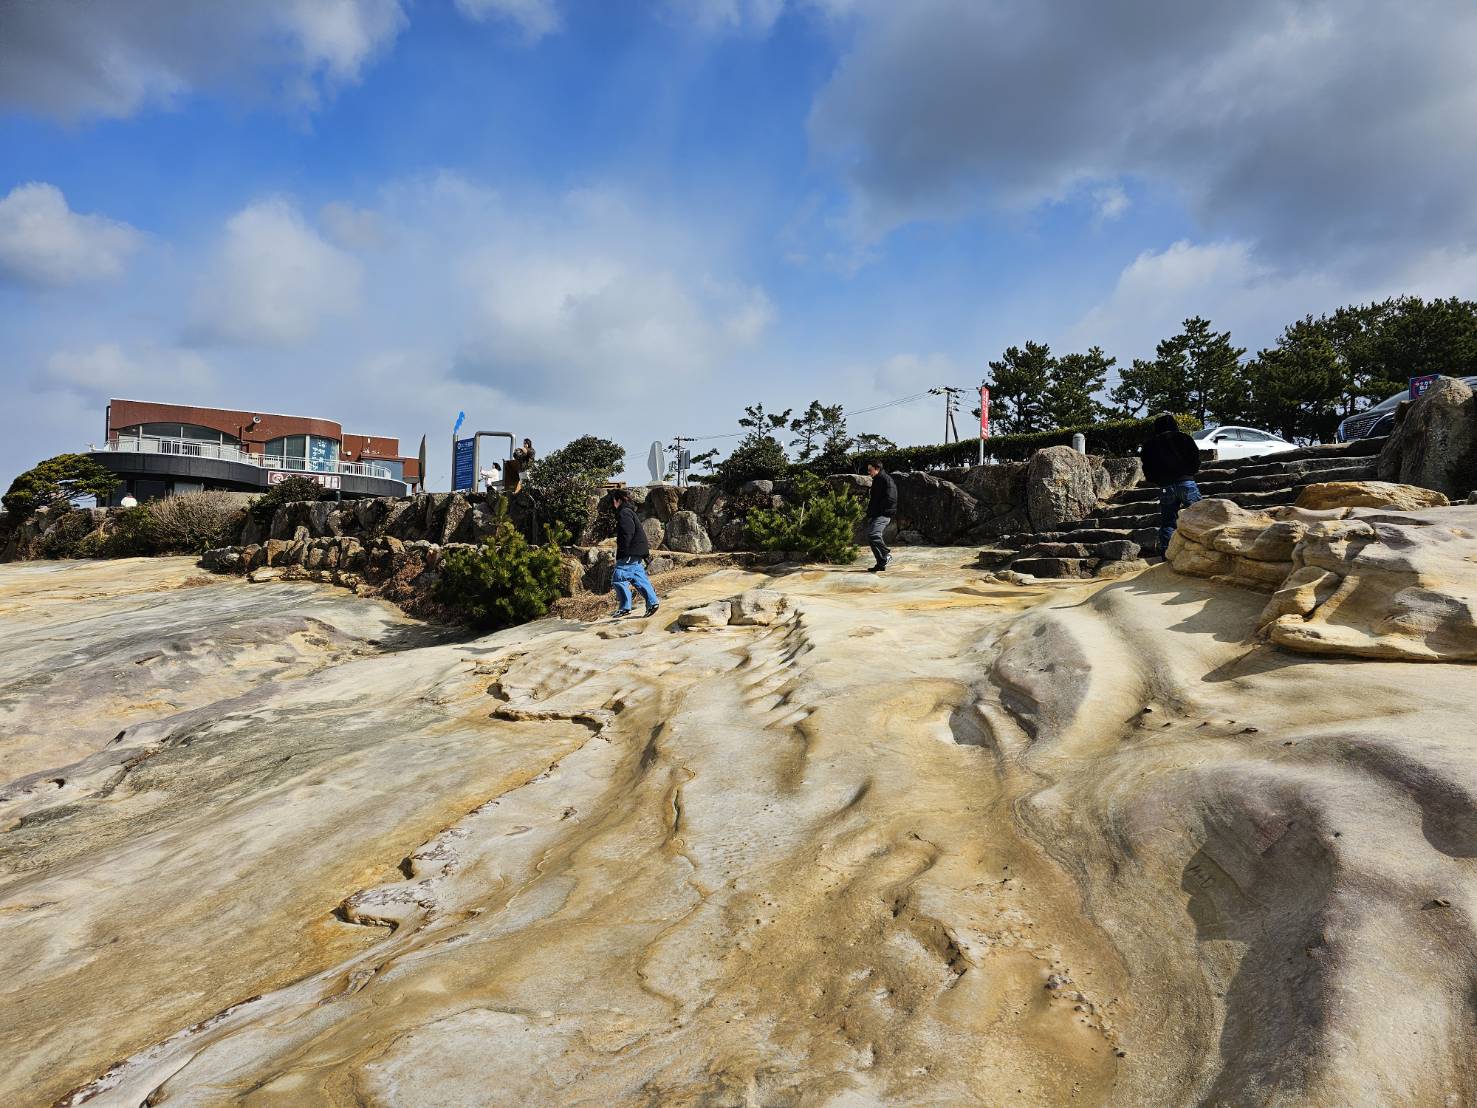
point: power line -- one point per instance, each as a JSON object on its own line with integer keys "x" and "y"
{"x": 860, "y": 411}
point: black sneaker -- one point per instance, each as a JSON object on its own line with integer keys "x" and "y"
{"x": 878, "y": 568}
{"x": 651, "y": 610}
{"x": 622, "y": 614}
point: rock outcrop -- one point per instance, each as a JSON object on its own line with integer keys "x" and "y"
{"x": 922, "y": 839}
{"x": 1434, "y": 443}
{"x": 1355, "y": 581}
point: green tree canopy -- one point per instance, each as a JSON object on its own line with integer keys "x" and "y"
{"x": 564, "y": 480}
{"x": 1197, "y": 372}
{"x": 64, "y": 479}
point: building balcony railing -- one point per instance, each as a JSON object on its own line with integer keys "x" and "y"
{"x": 201, "y": 448}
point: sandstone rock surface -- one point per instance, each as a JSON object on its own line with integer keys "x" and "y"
{"x": 1369, "y": 494}
{"x": 927, "y": 839}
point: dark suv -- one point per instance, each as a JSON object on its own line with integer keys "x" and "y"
{"x": 1377, "y": 422}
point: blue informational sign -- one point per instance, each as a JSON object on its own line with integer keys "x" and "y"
{"x": 1418, "y": 385}
{"x": 464, "y": 466}
{"x": 461, "y": 418}
{"x": 322, "y": 454}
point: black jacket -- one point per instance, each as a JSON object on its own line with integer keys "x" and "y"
{"x": 1170, "y": 456}
{"x": 630, "y": 536}
{"x": 884, "y": 496}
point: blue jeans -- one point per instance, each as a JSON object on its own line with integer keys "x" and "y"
{"x": 628, "y": 572}
{"x": 1172, "y": 498}
{"x": 876, "y": 527}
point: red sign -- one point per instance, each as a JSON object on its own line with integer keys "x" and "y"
{"x": 984, "y": 412}
{"x": 1419, "y": 385}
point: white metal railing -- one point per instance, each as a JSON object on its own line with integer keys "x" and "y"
{"x": 202, "y": 448}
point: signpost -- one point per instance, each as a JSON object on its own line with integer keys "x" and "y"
{"x": 1419, "y": 385}
{"x": 464, "y": 465}
{"x": 984, "y": 418}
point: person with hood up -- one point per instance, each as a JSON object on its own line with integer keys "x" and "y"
{"x": 1171, "y": 461}
{"x": 631, "y": 553}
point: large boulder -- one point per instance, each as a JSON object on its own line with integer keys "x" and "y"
{"x": 939, "y": 510}
{"x": 685, "y": 533}
{"x": 663, "y": 501}
{"x": 1434, "y": 443}
{"x": 708, "y": 617}
{"x": 655, "y": 532}
{"x": 1059, "y": 488}
{"x": 757, "y": 608}
{"x": 1369, "y": 494}
{"x": 697, "y": 498}
{"x": 1111, "y": 475}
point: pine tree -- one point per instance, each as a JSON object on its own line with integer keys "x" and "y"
{"x": 1018, "y": 389}
{"x": 1074, "y": 379}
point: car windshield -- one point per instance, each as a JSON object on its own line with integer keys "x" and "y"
{"x": 1404, "y": 394}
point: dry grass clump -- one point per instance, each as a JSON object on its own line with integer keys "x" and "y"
{"x": 195, "y": 521}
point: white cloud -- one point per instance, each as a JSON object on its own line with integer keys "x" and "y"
{"x": 536, "y": 18}
{"x": 1111, "y": 202}
{"x": 75, "y": 58}
{"x": 1319, "y": 131}
{"x": 107, "y": 369}
{"x": 274, "y": 281}
{"x": 352, "y": 228}
{"x": 44, "y": 242}
{"x": 582, "y": 295}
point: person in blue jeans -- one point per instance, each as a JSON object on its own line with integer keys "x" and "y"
{"x": 1171, "y": 460}
{"x": 631, "y": 554}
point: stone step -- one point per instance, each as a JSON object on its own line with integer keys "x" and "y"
{"x": 1118, "y": 550}
{"x": 1055, "y": 567}
{"x": 1265, "y": 477}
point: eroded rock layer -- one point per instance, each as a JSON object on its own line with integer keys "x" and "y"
{"x": 853, "y": 839}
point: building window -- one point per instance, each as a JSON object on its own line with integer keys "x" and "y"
{"x": 396, "y": 468}
{"x": 191, "y": 431}
{"x": 305, "y": 453}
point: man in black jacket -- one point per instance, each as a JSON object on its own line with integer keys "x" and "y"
{"x": 631, "y": 553}
{"x": 880, "y": 509}
{"x": 1171, "y": 460}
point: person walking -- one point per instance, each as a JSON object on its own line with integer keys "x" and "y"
{"x": 1171, "y": 461}
{"x": 880, "y": 509}
{"x": 631, "y": 554}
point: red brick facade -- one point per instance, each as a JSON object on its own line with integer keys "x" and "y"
{"x": 255, "y": 429}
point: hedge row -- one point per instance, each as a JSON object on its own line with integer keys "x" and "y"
{"x": 1118, "y": 437}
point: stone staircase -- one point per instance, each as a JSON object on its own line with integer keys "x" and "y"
{"x": 1124, "y": 527}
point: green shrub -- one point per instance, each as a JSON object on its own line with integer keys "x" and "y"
{"x": 506, "y": 581}
{"x": 819, "y": 522}
{"x": 1116, "y": 437}
{"x": 131, "y": 534}
{"x": 288, "y": 491}
{"x": 564, "y": 481}
{"x": 195, "y": 522}
{"x": 69, "y": 537}
{"x": 60, "y": 480}
{"x": 757, "y": 457}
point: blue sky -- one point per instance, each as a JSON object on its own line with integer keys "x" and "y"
{"x": 633, "y": 218}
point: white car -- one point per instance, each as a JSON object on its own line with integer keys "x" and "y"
{"x": 1231, "y": 443}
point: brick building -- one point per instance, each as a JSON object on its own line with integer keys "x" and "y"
{"x": 166, "y": 449}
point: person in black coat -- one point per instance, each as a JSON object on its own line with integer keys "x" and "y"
{"x": 881, "y": 507}
{"x": 631, "y": 554}
{"x": 1171, "y": 460}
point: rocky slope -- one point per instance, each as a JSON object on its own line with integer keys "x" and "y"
{"x": 913, "y": 839}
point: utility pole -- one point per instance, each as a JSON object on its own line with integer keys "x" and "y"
{"x": 984, "y": 417}
{"x": 951, "y": 405}
{"x": 677, "y": 444}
